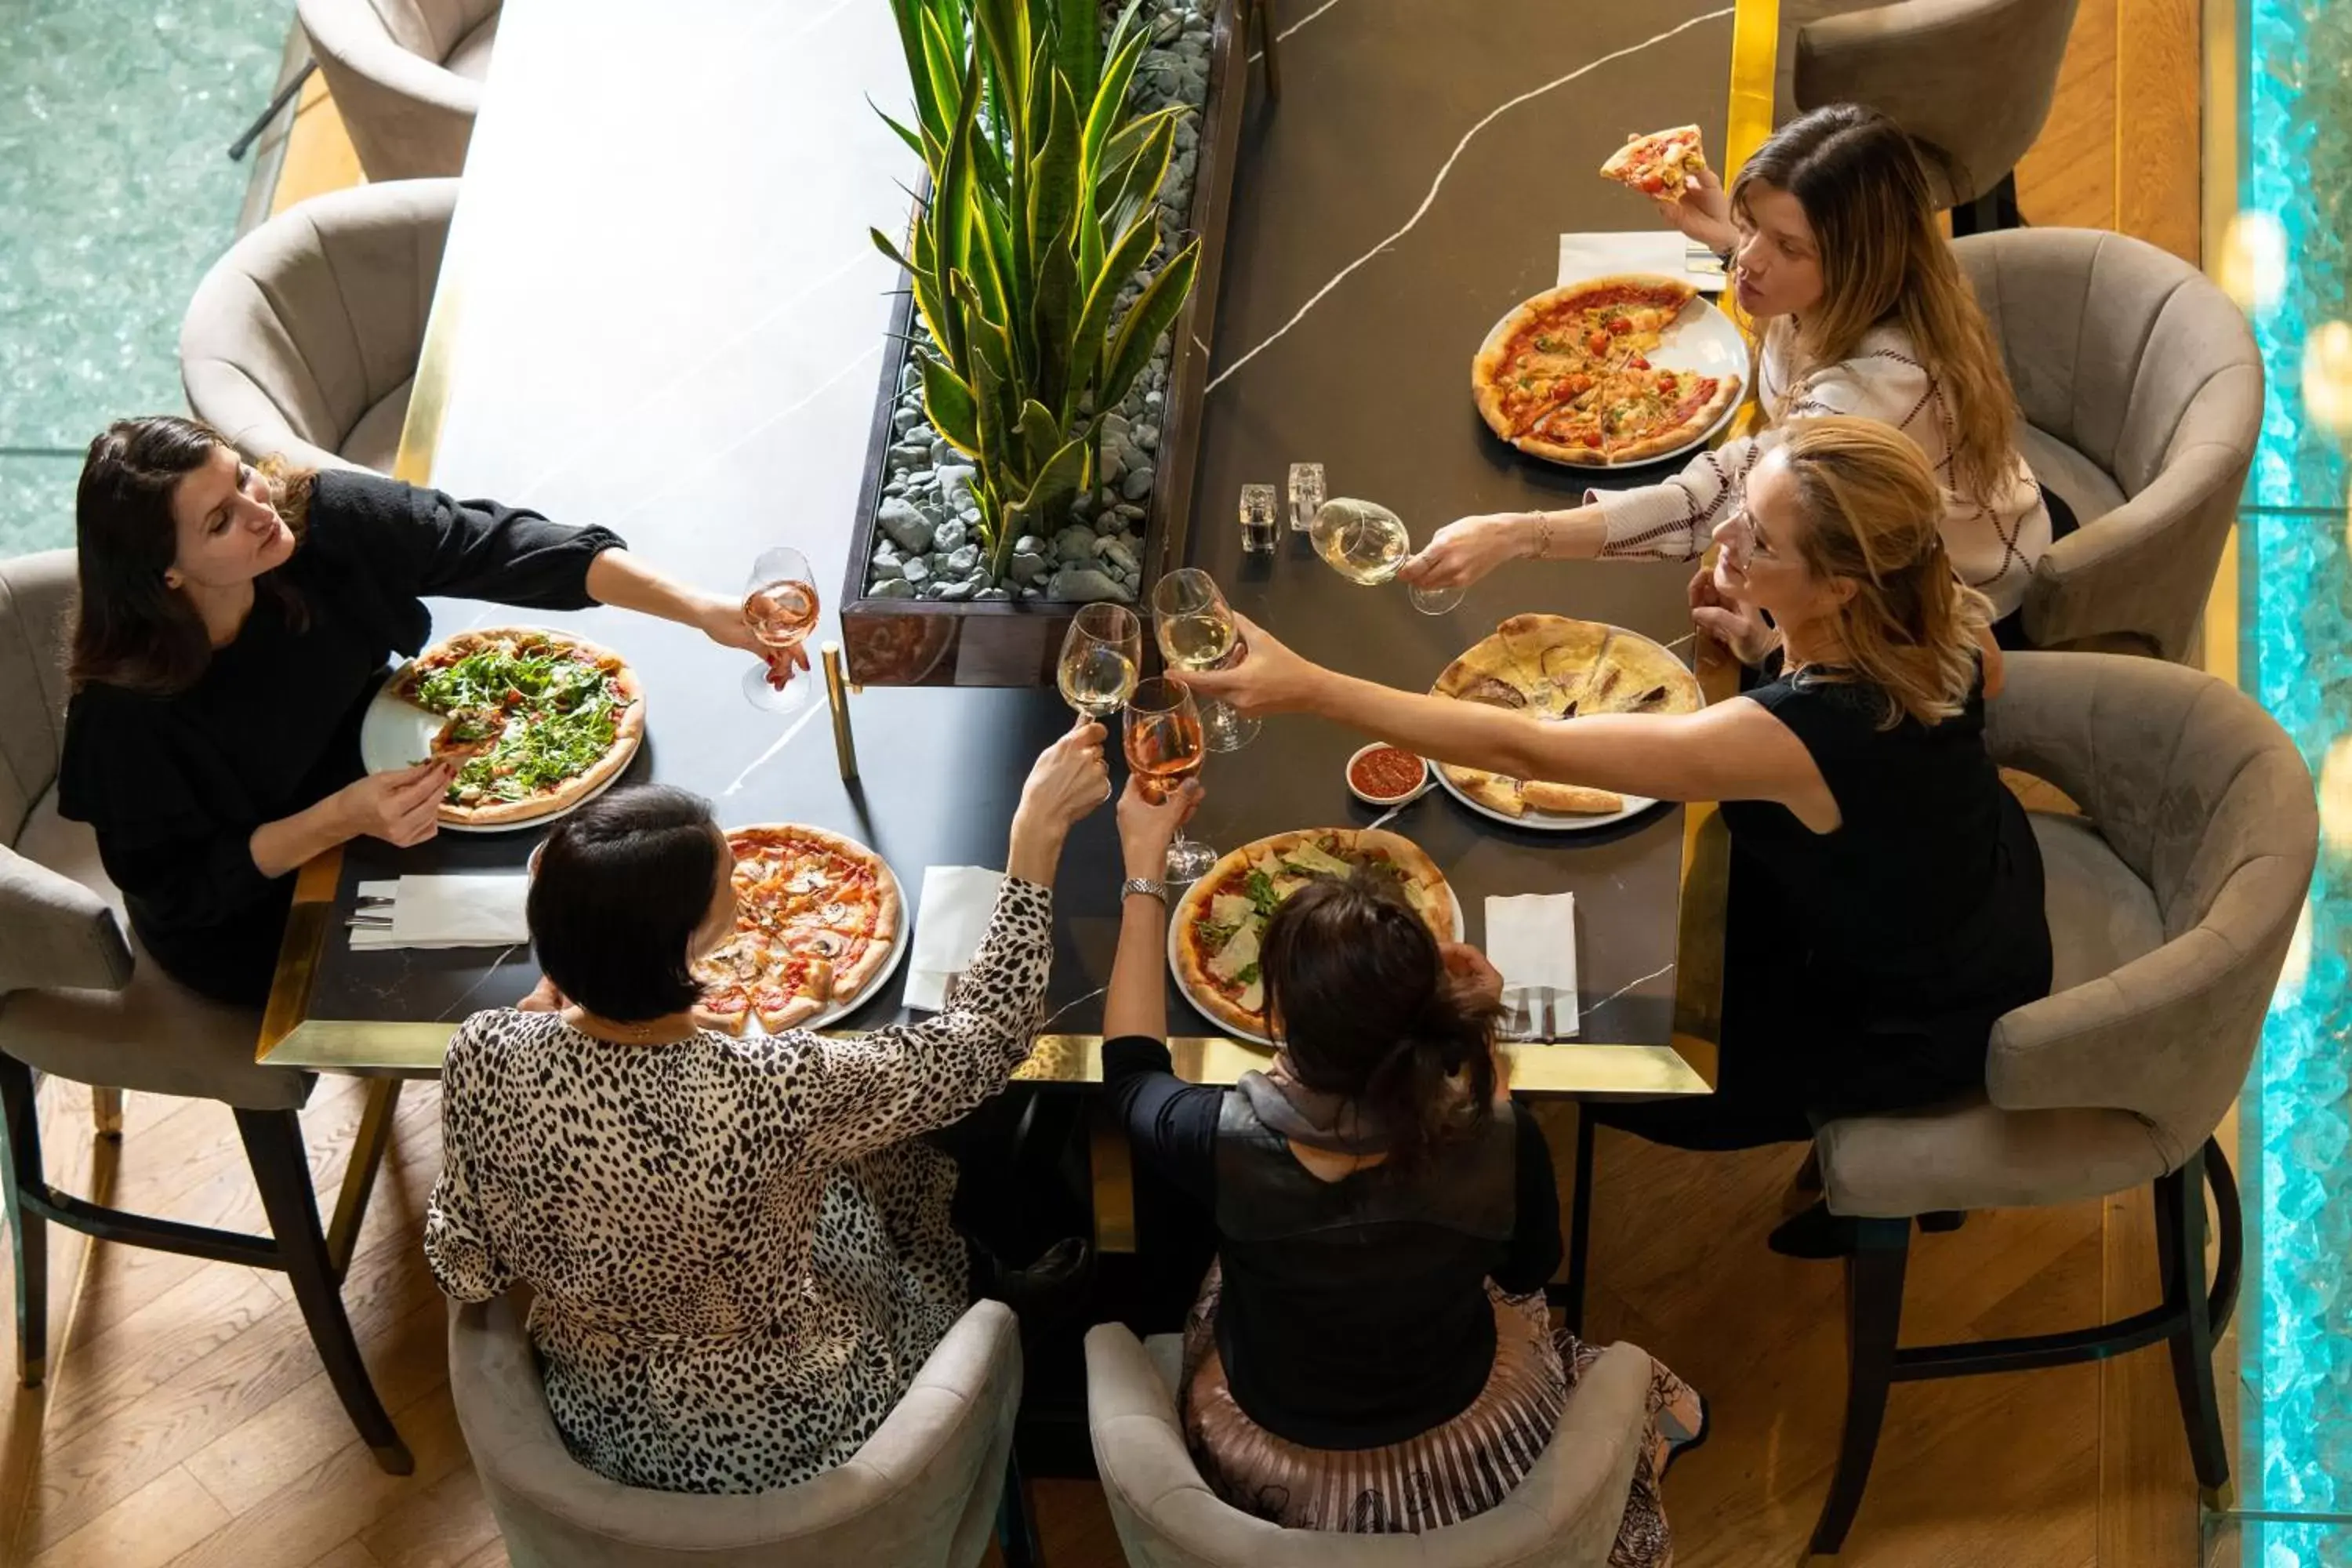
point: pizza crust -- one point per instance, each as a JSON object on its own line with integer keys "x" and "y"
{"x": 831, "y": 982}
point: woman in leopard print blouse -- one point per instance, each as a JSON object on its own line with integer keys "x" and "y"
{"x": 741, "y": 1254}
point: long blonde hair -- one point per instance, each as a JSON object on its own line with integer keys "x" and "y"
{"x": 1864, "y": 190}
{"x": 1874, "y": 515}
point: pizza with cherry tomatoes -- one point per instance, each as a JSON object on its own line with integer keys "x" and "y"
{"x": 1658, "y": 164}
{"x": 816, "y": 923}
{"x": 1567, "y": 376}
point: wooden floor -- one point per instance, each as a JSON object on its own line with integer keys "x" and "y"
{"x": 186, "y": 1422}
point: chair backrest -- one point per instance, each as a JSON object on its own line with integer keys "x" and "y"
{"x": 429, "y": 28}
{"x": 315, "y": 317}
{"x": 1564, "y": 1515}
{"x": 36, "y": 598}
{"x": 1972, "y": 78}
{"x": 2133, "y": 359}
{"x": 922, "y": 1492}
{"x": 2207, "y": 800}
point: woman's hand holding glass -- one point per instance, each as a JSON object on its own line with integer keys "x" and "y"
{"x": 1147, "y": 827}
{"x": 1270, "y": 678}
{"x": 1068, "y": 780}
{"x": 1467, "y": 549}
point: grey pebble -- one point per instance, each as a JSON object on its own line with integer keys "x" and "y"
{"x": 942, "y": 453}
{"x": 1137, "y": 483}
{"x": 917, "y": 570}
{"x": 1115, "y": 552}
{"x": 955, "y": 592}
{"x": 894, "y": 588}
{"x": 1075, "y": 542}
{"x": 950, "y": 536}
{"x": 1147, "y": 436}
{"x": 1025, "y": 566}
{"x": 955, "y": 484}
{"x": 908, "y": 455}
{"x": 992, "y": 594}
{"x": 1086, "y": 584}
{"x": 959, "y": 562}
{"x": 909, "y": 528}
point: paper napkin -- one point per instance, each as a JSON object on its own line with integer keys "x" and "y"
{"x": 1645, "y": 250}
{"x": 1532, "y": 940}
{"x": 448, "y": 912}
{"x": 950, "y": 922}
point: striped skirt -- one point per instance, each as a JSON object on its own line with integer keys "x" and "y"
{"x": 1448, "y": 1474}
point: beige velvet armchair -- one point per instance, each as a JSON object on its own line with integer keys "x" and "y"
{"x": 924, "y": 1491}
{"x": 406, "y": 76}
{"x": 304, "y": 338}
{"x": 1564, "y": 1515}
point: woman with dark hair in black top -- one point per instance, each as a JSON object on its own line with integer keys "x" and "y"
{"x": 1886, "y": 888}
{"x": 1372, "y": 1350}
{"x": 232, "y": 624}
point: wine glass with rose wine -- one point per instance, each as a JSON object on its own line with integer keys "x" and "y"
{"x": 780, "y": 605}
{"x": 1164, "y": 748}
{"x": 1196, "y": 631}
{"x": 1101, "y": 653}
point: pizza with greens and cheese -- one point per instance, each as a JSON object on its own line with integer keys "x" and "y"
{"x": 537, "y": 722}
{"x": 1221, "y": 918}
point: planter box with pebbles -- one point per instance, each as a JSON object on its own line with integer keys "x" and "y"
{"x": 921, "y": 606}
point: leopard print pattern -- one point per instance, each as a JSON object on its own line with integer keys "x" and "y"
{"x": 741, "y": 1259}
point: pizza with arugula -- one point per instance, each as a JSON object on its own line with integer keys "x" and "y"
{"x": 1222, "y": 919}
{"x": 535, "y": 722}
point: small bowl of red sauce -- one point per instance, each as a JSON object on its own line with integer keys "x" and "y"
{"x": 1386, "y": 776}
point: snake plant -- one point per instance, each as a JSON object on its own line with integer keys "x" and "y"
{"x": 1040, "y": 208}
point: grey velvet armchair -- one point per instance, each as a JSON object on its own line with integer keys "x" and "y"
{"x": 406, "y": 76}
{"x": 1972, "y": 78}
{"x": 2171, "y": 903}
{"x": 924, "y": 1491}
{"x": 79, "y": 1000}
{"x": 304, "y": 338}
{"x": 1564, "y": 1515}
{"x": 2141, "y": 394}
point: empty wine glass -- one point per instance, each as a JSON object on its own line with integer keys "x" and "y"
{"x": 780, "y": 605}
{"x": 1100, "y": 655}
{"x": 1165, "y": 747}
{"x": 1366, "y": 543}
{"x": 1196, "y": 631}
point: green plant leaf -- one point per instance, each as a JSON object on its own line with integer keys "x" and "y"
{"x": 1053, "y": 177}
{"x": 1090, "y": 337}
{"x": 1129, "y": 140}
{"x": 1040, "y": 433}
{"x": 1057, "y": 484}
{"x": 1149, "y": 316}
{"x": 951, "y": 199}
{"x": 1063, "y": 359}
{"x": 911, "y": 138}
{"x": 1079, "y": 44}
{"x": 948, "y": 403}
{"x": 939, "y": 97}
{"x": 1143, "y": 175}
{"x": 1109, "y": 100}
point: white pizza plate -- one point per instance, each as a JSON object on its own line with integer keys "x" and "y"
{"x": 1702, "y": 340}
{"x": 1547, "y": 821}
{"x": 1460, "y": 929}
{"x": 395, "y": 734}
{"x": 898, "y": 946}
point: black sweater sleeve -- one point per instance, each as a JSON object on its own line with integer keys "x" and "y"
{"x": 1535, "y": 1250}
{"x": 1171, "y": 1124}
{"x": 414, "y": 543}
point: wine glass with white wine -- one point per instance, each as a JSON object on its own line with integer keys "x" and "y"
{"x": 1196, "y": 631}
{"x": 780, "y": 605}
{"x": 1165, "y": 746}
{"x": 1366, "y": 543}
{"x": 1101, "y": 653}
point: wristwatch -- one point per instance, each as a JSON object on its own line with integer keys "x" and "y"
{"x": 1144, "y": 884}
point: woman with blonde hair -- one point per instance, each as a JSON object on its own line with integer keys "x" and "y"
{"x": 1885, "y": 887}
{"x": 1830, "y": 234}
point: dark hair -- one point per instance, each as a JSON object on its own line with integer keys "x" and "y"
{"x": 131, "y": 629}
{"x": 622, "y": 884}
{"x": 1367, "y": 1011}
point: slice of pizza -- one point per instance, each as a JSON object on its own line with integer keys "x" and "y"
{"x": 781, "y": 1010}
{"x": 724, "y": 1008}
{"x": 1659, "y": 164}
{"x": 467, "y": 734}
{"x": 1570, "y": 800}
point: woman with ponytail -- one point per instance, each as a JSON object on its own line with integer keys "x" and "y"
{"x": 1371, "y": 1352}
{"x": 1885, "y": 886}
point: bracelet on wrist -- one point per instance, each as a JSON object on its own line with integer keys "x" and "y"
{"x": 1150, "y": 887}
{"x": 1542, "y": 520}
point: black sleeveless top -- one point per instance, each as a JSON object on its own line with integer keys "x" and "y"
{"x": 1354, "y": 1314}
{"x": 1926, "y": 900}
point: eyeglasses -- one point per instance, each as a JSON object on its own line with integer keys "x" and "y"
{"x": 1746, "y": 526}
